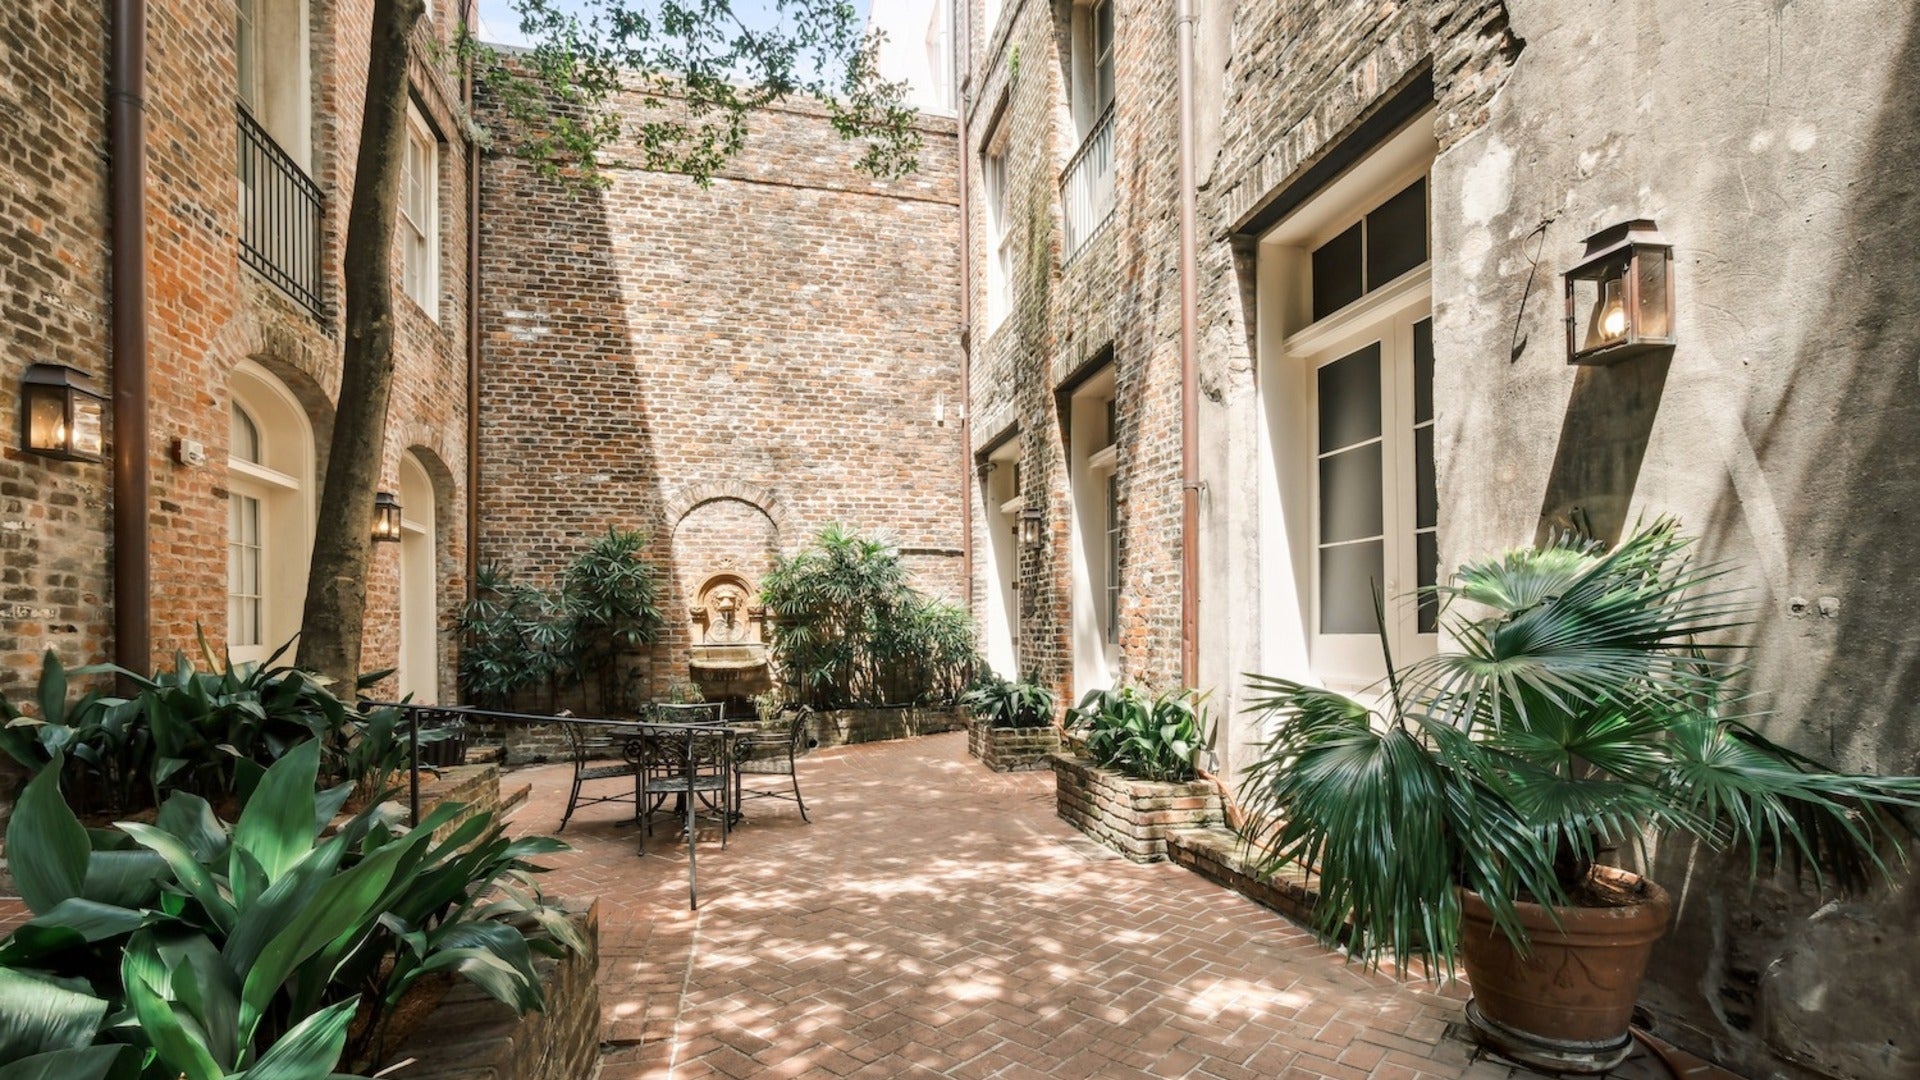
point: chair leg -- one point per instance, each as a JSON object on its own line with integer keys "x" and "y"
{"x": 799, "y": 800}
{"x": 573, "y": 800}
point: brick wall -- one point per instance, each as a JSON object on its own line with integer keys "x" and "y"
{"x": 729, "y": 368}
{"x": 1133, "y": 817}
{"x": 207, "y": 312}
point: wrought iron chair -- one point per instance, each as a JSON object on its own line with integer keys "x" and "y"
{"x": 694, "y": 763}
{"x": 598, "y": 754}
{"x": 775, "y": 751}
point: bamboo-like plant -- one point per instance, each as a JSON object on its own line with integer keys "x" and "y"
{"x": 1584, "y": 706}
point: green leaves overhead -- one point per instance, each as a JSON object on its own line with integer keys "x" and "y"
{"x": 698, "y": 71}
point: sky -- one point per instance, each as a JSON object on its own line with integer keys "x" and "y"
{"x": 499, "y": 23}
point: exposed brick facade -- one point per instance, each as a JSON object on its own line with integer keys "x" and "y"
{"x": 1136, "y": 818}
{"x": 207, "y": 313}
{"x": 729, "y": 369}
{"x": 1774, "y": 434}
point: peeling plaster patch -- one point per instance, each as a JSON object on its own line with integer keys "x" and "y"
{"x": 1801, "y": 137}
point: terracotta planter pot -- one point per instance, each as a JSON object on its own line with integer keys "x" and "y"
{"x": 1568, "y": 1005}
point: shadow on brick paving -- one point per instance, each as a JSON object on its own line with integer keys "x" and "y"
{"x": 937, "y": 919}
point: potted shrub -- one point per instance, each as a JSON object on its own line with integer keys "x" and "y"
{"x": 1466, "y": 817}
{"x": 1012, "y": 724}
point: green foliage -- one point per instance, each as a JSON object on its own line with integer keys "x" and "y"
{"x": 208, "y": 731}
{"x": 1158, "y": 739}
{"x": 699, "y": 72}
{"x": 517, "y": 638}
{"x": 243, "y": 950}
{"x": 848, "y": 629}
{"x": 1006, "y": 704}
{"x": 1579, "y": 711}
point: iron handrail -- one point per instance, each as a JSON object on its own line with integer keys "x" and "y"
{"x": 1086, "y": 184}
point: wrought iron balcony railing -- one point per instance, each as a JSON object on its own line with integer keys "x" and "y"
{"x": 1086, "y": 188}
{"x": 279, "y": 215}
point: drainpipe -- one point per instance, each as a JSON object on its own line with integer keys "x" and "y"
{"x": 473, "y": 323}
{"x": 1189, "y": 329}
{"x": 963, "y": 39}
{"x": 127, "y": 182}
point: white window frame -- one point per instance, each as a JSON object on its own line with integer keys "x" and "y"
{"x": 281, "y": 483}
{"x": 1387, "y": 318}
{"x": 419, "y": 225}
{"x": 994, "y": 188}
{"x": 1003, "y": 501}
{"x": 274, "y": 72}
{"x": 417, "y": 665}
{"x": 1091, "y": 459}
{"x": 1292, "y": 348}
{"x": 1089, "y": 63}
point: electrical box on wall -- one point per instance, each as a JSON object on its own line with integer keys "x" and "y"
{"x": 191, "y": 452}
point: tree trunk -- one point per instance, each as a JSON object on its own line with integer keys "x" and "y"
{"x": 331, "y": 621}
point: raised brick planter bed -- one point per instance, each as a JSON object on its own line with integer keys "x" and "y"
{"x": 843, "y": 727}
{"x": 473, "y": 1037}
{"x": 1004, "y": 749}
{"x": 1133, "y": 817}
{"x": 1220, "y": 856}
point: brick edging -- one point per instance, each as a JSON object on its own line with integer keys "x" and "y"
{"x": 1133, "y": 817}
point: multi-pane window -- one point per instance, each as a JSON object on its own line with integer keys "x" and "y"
{"x": 1376, "y": 508}
{"x": 419, "y": 216}
{"x": 993, "y": 170}
{"x": 244, "y": 543}
{"x": 1101, "y": 18}
{"x": 1375, "y": 250}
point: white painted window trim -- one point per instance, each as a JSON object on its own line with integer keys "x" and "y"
{"x": 420, "y": 236}
{"x": 1290, "y": 348}
{"x": 994, "y": 187}
{"x": 283, "y": 482}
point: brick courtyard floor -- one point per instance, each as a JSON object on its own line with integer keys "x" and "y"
{"x": 937, "y": 920}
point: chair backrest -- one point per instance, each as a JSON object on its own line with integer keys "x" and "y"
{"x": 706, "y": 712}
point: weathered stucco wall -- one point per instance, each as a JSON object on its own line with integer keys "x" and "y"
{"x": 1774, "y": 144}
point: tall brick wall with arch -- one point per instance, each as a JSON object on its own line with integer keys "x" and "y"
{"x": 720, "y": 366}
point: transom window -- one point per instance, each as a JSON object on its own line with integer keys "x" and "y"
{"x": 1386, "y": 243}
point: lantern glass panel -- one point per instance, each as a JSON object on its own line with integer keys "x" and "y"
{"x": 46, "y": 420}
{"x": 1655, "y": 321}
{"x": 1599, "y": 296}
{"x": 86, "y": 425}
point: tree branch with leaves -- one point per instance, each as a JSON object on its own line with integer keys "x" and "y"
{"x": 697, "y": 69}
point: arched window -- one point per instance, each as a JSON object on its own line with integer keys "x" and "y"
{"x": 269, "y": 513}
{"x": 419, "y": 673}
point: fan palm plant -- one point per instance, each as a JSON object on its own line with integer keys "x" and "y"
{"x": 1581, "y": 709}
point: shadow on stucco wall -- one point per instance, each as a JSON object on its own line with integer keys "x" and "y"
{"x": 1603, "y": 440}
{"x": 1835, "y": 649}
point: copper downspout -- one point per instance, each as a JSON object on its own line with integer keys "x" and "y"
{"x": 963, "y": 14}
{"x": 1189, "y": 329}
{"x": 127, "y": 183}
{"x": 473, "y": 323}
